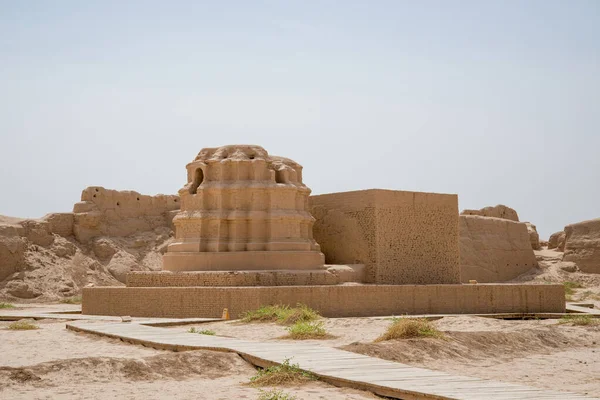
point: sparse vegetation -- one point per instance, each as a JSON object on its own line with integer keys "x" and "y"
{"x": 22, "y": 325}
{"x": 570, "y": 286}
{"x": 72, "y": 300}
{"x": 409, "y": 328}
{"x": 275, "y": 394}
{"x": 302, "y": 330}
{"x": 202, "y": 332}
{"x": 580, "y": 320}
{"x": 284, "y": 374}
{"x": 282, "y": 314}
{"x": 6, "y": 305}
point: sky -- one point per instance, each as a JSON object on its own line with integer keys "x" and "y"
{"x": 496, "y": 101}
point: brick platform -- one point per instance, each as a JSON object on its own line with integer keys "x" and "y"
{"x": 334, "y": 275}
{"x": 353, "y": 300}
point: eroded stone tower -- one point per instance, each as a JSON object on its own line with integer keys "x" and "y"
{"x": 243, "y": 209}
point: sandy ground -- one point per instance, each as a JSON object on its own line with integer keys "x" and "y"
{"x": 54, "y": 363}
{"x": 541, "y": 353}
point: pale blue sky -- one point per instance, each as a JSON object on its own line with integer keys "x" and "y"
{"x": 498, "y": 101}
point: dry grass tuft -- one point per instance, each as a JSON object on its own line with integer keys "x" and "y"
{"x": 72, "y": 300}
{"x": 22, "y": 325}
{"x": 307, "y": 330}
{"x": 580, "y": 320}
{"x": 202, "y": 332}
{"x": 284, "y": 374}
{"x": 275, "y": 394}
{"x": 410, "y": 328}
{"x": 282, "y": 314}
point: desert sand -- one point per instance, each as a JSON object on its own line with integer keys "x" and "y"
{"x": 52, "y": 362}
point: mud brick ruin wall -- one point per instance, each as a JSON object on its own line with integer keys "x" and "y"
{"x": 401, "y": 237}
{"x": 330, "y": 301}
{"x": 104, "y": 212}
{"x": 494, "y": 249}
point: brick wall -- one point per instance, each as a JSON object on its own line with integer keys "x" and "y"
{"x": 330, "y": 301}
{"x": 401, "y": 237}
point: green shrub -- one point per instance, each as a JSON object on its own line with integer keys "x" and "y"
{"x": 22, "y": 325}
{"x": 6, "y": 305}
{"x": 408, "y": 328}
{"x": 202, "y": 332}
{"x": 275, "y": 394}
{"x": 283, "y": 374}
{"x": 282, "y": 314}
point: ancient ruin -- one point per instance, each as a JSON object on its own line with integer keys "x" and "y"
{"x": 244, "y": 238}
{"x": 243, "y": 209}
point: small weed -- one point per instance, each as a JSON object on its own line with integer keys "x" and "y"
{"x": 408, "y": 328}
{"x": 275, "y": 394}
{"x": 202, "y": 332}
{"x": 282, "y": 314}
{"x": 22, "y": 325}
{"x": 283, "y": 374}
{"x": 579, "y": 320}
{"x": 72, "y": 300}
{"x": 6, "y": 305}
{"x": 302, "y": 330}
{"x": 570, "y": 286}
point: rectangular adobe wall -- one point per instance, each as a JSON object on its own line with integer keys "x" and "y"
{"x": 330, "y": 301}
{"x": 401, "y": 237}
{"x": 494, "y": 249}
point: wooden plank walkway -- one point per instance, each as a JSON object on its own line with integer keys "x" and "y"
{"x": 15, "y": 315}
{"x": 338, "y": 367}
{"x": 574, "y": 308}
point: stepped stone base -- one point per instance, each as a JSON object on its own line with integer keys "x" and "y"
{"x": 243, "y": 260}
{"x": 334, "y": 275}
{"x": 349, "y": 300}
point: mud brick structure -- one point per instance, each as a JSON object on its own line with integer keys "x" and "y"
{"x": 244, "y": 239}
{"x": 400, "y": 237}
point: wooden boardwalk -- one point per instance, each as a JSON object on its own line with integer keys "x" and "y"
{"x": 334, "y": 366}
{"x": 75, "y": 315}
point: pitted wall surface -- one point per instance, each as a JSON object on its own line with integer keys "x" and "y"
{"x": 401, "y": 237}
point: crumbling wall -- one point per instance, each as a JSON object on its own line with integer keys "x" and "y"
{"x": 104, "y": 212}
{"x": 557, "y": 241}
{"x": 499, "y": 211}
{"x": 494, "y": 249}
{"x": 582, "y": 245}
{"x": 534, "y": 237}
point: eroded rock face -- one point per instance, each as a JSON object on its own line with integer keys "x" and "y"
{"x": 46, "y": 260}
{"x": 499, "y": 211}
{"x": 534, "y": 237}
{"x": 582, "y": 245}
{"x": 494, "y": 249}
{"x": 557, "y": 241}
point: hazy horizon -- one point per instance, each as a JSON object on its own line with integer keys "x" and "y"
{"x": 496, "y": 101}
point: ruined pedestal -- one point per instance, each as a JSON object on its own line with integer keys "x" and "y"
{"x": 243, "y": 209}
